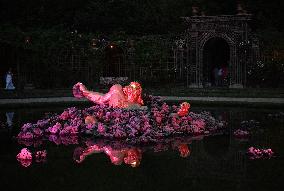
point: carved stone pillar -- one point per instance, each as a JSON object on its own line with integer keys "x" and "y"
{"x": 236, "y": 70}
{"x": 194, "y": 64}
{"x": 131, "y": 64}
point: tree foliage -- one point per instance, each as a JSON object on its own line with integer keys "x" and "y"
{"x": 56, "y": 24}
{"x": 51, "y": 20}
{"x": 132, "y": 16}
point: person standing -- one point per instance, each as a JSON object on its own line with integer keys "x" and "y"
{"x": 225, "y": 75}
{"x": 9, "y": 80}
{"x": 215, "y": 74}
{"x": 220, "y": 74}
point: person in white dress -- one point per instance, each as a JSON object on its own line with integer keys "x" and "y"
{"x": 9, "y": 80}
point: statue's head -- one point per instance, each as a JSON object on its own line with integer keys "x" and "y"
{"x": 184, "y": 109}
{"x": 133, "y": 157}
{"x": 185, "y": 106}
{"x": 133, "y": 92}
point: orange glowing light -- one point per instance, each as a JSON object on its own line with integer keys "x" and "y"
{"x": 133, "y": 85}
{"x": 134, "y": 164}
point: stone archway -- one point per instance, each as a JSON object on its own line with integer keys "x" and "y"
{"x": 9, "y": 56}
{"x": 234, "y": 29}
{"x": 228, "y": 42}
{"x": 215, "y": 63}
{"x": 114, "y": 61}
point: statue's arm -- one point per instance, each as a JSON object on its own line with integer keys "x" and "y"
{"x": 95, "y": 97}
{"x": 79, "y": 91}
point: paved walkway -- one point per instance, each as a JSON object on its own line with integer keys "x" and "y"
{"x": 214, "y": 100}
{"x": 30, "y": 101}
{"x": 227, "y": 99}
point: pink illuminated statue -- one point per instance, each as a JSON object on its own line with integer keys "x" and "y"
{"x": 117, "y": 97}
{"x": 184, "y": 109}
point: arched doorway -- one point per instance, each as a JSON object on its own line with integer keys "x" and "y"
{"x": 9, "y": 60}
{"x": 114, "y": 61}
{"x": 216, "y": 57}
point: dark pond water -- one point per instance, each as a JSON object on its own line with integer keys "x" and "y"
{"x": 203, "y": 163}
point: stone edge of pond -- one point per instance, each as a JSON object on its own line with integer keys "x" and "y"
{"x": 40, "y": 102}
{"x": 275, "y": 103}
{"x": 269, "y": 103}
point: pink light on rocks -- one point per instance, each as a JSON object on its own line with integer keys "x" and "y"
{"x": 255, "y": 153}
{"x": 25, "y": 157}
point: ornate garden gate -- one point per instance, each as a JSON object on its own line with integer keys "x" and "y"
{"x": 235, "y": 31}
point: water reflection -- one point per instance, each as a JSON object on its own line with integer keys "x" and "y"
{"x": 8, "y": 122}
{"x": 119, "y": 152}
{"x": 184, "y": 150}
{"x": 130, "y": 156}
{"x": 9, "y": 116}
{"x": 6, "y": 126}
{"x": 211, "y": 163}
{"x": 25, "y": 157}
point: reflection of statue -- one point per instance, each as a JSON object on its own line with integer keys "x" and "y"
{"x": 184, "y": 150}
{"x": 130, "y": 156}
{"x": 120, "y": 153}
{"x": 128, "y": 96}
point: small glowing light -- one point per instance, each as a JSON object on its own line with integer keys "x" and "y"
{"x": 27, "y": 39}
{"x": 111, "y": 46}
{"x": 134, "y": 164}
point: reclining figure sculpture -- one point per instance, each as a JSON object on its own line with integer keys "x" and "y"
{"x": 117, "y": 97}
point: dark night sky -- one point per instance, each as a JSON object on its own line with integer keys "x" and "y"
{"x": 131, "y": 16}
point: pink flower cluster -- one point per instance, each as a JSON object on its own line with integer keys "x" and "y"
{"x": 241, "y": 134}
{"x": 160, "y": 120}
{"x": 198, "y": 126}
{"x": 25, "y": 157}
{"x": 255, "y": 153}
{"x": 41, "y": 156}
{"x": 64, "y": 140}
